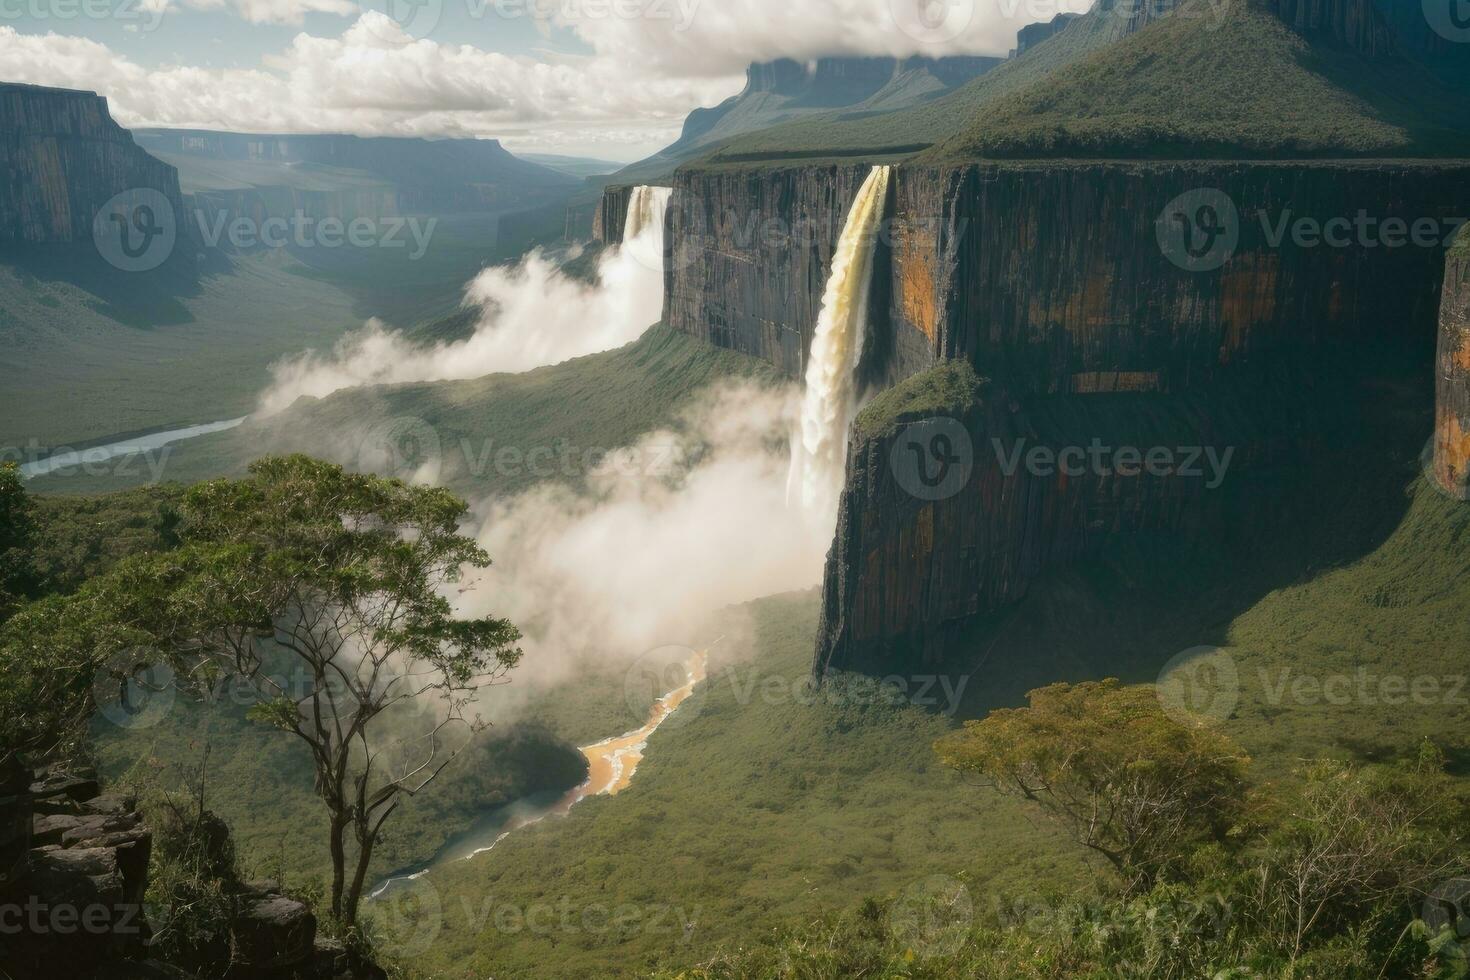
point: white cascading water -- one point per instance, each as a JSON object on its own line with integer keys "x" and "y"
{"x": 818, "y": 450}
{"x": 643, "y": 229}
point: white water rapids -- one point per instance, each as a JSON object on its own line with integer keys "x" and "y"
{"x": 829, "y": 403}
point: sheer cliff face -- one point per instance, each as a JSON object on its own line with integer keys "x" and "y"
{"x": 611, "y": 214}
{"x": 1452, "y": 428}
{"x": 1203, "y": 308}
{"x": 1073, "y": 277}
{"x": 66, "y": 158}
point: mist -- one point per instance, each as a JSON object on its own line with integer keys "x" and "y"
{"x": 531, "y": 314}
{"x": 666, "y": 534}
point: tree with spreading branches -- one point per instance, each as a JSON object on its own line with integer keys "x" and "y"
{"x": 325, "y": 592}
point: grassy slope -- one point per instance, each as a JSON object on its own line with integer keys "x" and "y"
{"x": 91, "y": 354}
{"x": 82, "y": 363}
{"x": 750, "y": 810}
{"x": 603, "y": 401}
{"x": 1397, "y": 612}
{"x": 756, "y": 814}
{"x": 1237, "y": 83}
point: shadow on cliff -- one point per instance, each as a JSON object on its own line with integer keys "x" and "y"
{"x": 134, "y": 299}
{"x": 1133, "y": 605}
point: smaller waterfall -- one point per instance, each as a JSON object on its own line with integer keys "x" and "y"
{"x": 818, "y": 451}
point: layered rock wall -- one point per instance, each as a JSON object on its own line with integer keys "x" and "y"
{"x": 1206, "y": 294}
{"x": 65, "y": 158}
{"x": 611, "y": 214}
{"x": 1075, "y": 277}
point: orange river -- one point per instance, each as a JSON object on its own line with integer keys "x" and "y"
{"x": 611, "y": 764}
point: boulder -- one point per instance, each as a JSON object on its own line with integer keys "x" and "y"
{"x": 273, "y": 933}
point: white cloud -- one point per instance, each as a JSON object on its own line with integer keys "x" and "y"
{"x": 372, "y": 80}
{"x": 653, "y": 61}
{"x": 694, "y": 38}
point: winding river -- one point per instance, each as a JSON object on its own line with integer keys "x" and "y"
{"x": 611, "y": 764}
{"x": 124, "y": 447}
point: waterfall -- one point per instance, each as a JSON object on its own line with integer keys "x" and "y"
{"x": 643, "y": 229}
{"x": 819, "y": 448}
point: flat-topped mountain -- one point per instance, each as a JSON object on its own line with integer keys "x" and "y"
{"x": 65, "y": 157}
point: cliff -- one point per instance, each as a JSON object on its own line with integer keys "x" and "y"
{"x": 65, "y": 158}
{"x": 1452, "y": 425}
{"x": 611, "y": 215}
{"x": 1033, "y": 34}
{"x": 1072, "y": 294}
{"x": 1056, "y": 275}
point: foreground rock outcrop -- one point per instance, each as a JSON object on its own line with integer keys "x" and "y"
{"x": 72, "y": 886}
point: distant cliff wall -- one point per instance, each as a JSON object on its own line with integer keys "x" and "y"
{"x": 64, "y": 157}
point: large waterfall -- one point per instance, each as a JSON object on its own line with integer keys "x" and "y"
{"x": 643, "y": 228}
{"x": 818, "y": 453}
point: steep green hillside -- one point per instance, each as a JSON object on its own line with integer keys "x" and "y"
{"x": 604, "y": 401}
{"x": 1226, "y": 82}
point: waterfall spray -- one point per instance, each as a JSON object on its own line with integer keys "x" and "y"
{"x": 818, "y": 451}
